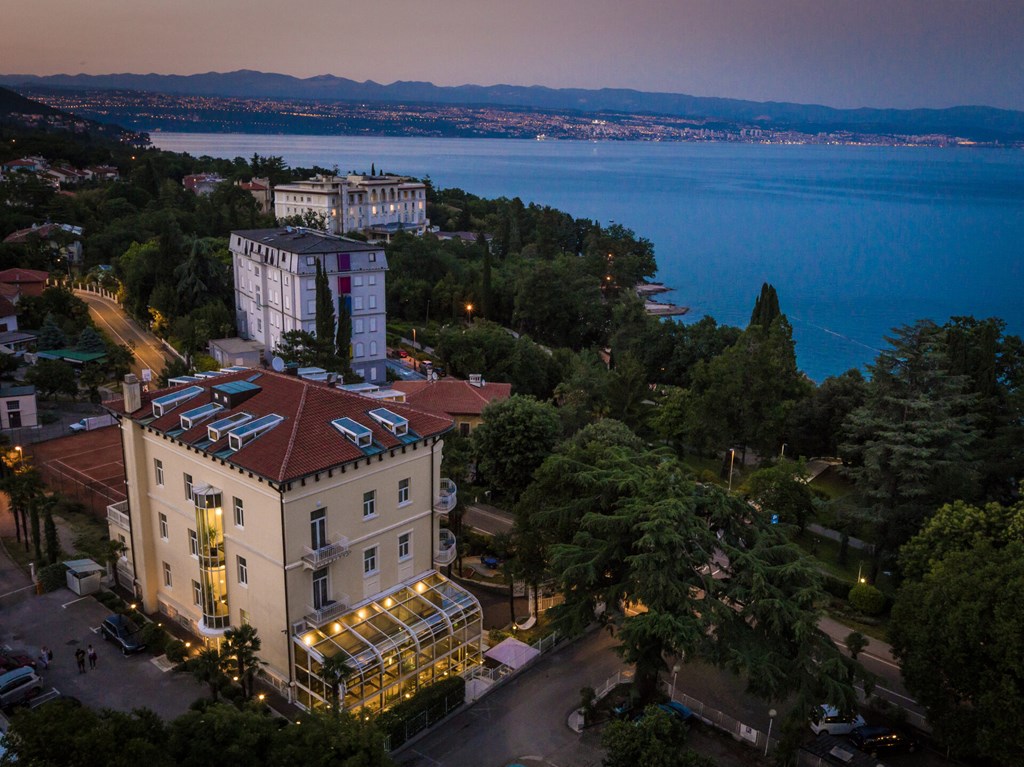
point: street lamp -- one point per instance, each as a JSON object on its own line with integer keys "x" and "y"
{"x": 675, "y": 672}
{"x": 860, "y": 579}
{"x": 732, "y": 459}
{"x": 469, "y": 312}
{"x": 771, "y": 720}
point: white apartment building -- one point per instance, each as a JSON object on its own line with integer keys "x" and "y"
{"x": 275, "y": 289}
{"x": 377, "y": 205}
{"x": 311, "y": 513}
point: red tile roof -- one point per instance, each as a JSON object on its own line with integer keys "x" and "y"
{"x": 6, "y": 308}
{"x": 452, "y": 396}
{"x": 19, "y": 276}
{"x": 305, "y": 442}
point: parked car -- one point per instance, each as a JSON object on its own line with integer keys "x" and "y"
{"x": 828, "y": 720}
{"x": 678, "y": 711}
{"x": 872, "y": 740}
{"x": 18, "y": 686}
{"x": 12, "y": 660}
{"x": 119, "y": 629}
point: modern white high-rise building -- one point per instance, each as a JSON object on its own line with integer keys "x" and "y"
{"x": 275, "y": 289}
{"x": 379, "y": 206}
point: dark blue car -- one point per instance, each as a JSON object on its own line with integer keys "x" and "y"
{"x": 120, "y": 630}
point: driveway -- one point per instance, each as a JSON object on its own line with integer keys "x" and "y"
{"x": 64, "y": 622}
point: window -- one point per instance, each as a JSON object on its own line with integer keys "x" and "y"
{"x": 369, "y": 503}
{"x": 243, "y": 571}
{"x": 373, "y": 301}
{"x": 320, "y": 589}
{"x": 197, "y": 593}
{"x": 243, "y": 617}
{"x": 404, "y": 548}
{"x": 359, "y": 350}
{"x": 373, "y": 324}
{"x": 311, "y": 306}
{"x": 193, "y": 543}
{"x": 357, "y": 282}
{"x": 370, "y": 561}
{"x": 403, "y": 492}
{"x": 373, "y": 348}
{"x": 163, "y": 525}
{"x": 357, "y": 326}
{"x": 167, "y": 575}
{"x": 158, "y": 468}
{"x": 239, "y": 513}
{"x": 464, "y": 429}
{"x": 372, "y": 279}
{"x": 318, "y": 529}
{"x": 188, "y": 487}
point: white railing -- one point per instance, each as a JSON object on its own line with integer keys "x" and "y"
{"x": 333, "y": 608}
{"x": 447, "y": 496}
{"x": 118, "y": 514}
{"x": 326, "y": 554}
{"x": 446, "y": 548}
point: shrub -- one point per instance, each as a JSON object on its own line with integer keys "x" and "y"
{"x": 424, "y": 709}
{"x": 866, "y": 599}
{"x": 176, "y": 650}
{"x": 154, "y": 637}
{"x": 52, "y": 577}
{"x": 835, "y": 586}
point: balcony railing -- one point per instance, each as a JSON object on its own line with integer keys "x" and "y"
{"x": 331, "y": 609}
{"x": 446, "y": 549}
{"x": 118, "y": 514}
{"x": 316, "y": 558}
{"x": 447, "y": 496}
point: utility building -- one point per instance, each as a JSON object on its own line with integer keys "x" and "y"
{"x": 313, "y": 514}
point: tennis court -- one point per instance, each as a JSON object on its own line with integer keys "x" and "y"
{"x": 88, "y": 467}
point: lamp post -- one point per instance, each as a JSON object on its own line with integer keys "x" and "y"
{"x": 732, "y": 459}
{"x": 771, "y": 720}
{"x": 860, "y": 579}
{"x": 469, "y": 312}
{"x": 675, "y": 672}
{"x": 21, "y": 455}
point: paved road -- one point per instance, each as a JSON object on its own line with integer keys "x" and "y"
{"x": 488, "y": 520}
{"x": 527, "y": 717}
{"x": 123, "y": 330}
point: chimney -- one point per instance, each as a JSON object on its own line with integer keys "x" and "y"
{"x": 132, "y": 393}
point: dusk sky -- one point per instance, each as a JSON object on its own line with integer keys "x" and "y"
{"x": 844, "y": 53}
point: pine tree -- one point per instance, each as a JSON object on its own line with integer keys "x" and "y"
{"x": 50, "y": 335}
{"x": 90, "y": 341}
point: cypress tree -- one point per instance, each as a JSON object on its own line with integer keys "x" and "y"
{"x": 766, "y": 308}
{"x": 343, "y": 342}
{"x": 485, "y": 278}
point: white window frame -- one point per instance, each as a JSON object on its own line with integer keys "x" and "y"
{"x": 403, "y": 491}
{"x": 189, "y": 495}
{"x": 197, "y": 593}
{"x": 158, "y": 470}
{"x": 405, "y": 544}
{"x": 370, "y": 564}
{"x": 168, "y": 578}
{"x": 162, "y": 521}
{"x": 369, "y": 504}
{"x": 243, "y": 571}
{"x": 238, "y": 507}
{"x": 193, "y": 543}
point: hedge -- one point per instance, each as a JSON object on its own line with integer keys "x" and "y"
{"x": 52, "y": 576}
{"x": 424, "y": 709}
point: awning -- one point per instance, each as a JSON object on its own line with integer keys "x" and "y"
{"x": 512, "y": 653}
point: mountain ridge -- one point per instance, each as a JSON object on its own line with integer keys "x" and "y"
{"x": 971, "y": 121}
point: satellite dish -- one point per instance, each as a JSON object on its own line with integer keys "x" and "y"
{"x": 277, "y": 364}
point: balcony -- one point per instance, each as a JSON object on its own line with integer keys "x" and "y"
{"x": 446, "y": 549}
{"x": 118, "y": 514}
{"x": 330, "y": 609}
{"x": 447, "y": 497}
{"x": 323, "y": 556}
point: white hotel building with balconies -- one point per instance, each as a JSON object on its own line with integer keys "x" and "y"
{"x": 275, "y": 289}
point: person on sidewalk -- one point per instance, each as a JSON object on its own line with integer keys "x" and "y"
{"x": 80, "y": 660}
{"x": 44, "y": 657}
{"x": 92, "y": 657}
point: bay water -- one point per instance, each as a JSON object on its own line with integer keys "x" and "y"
{"x": 857, "y": 240}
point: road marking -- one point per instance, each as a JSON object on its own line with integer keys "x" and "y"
{"x": 896, "y": 694}
{"x": 869, "y": 655}
{"x": 73, "y": 601}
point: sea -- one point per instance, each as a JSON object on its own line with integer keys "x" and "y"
{"x": 856, "y": 240}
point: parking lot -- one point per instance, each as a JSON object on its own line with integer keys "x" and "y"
{"x": 64, "y": 622}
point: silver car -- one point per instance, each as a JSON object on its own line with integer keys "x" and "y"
{"x": 18, "y": 686}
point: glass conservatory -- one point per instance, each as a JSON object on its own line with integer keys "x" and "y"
{"x": 414, "y": 635}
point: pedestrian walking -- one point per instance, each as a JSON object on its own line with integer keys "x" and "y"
{"x": 44, "y": 657}
{"x": 80, "y": 660}
{"x": 92, "y": 657}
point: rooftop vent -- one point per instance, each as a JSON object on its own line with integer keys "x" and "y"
{"x": 239, "y": 438}
{"x": 354, "y": 432}
{"x": 197, "y": 415}
{"x": 218, "y": 429}
{"x": 167, "y": 403}
{"x": 393, "y": 422}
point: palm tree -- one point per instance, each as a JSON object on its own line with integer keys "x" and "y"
{"x": 207, "y": 668}
{"x": 239, "y": 650}
{"x": 334, "y": 671}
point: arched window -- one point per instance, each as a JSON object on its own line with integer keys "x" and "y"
{"x": 373, "y": 348}
{"x": 359, "y": 350}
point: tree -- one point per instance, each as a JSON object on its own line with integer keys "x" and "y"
{"x": 207, "y": 668}
{"x": 334, "y": 671}
{"x": 781, "y": 489}
{"x": 956, "y": 633}
{"x": 343, "y": 341}
{"x": 655, "y": 740}
{"x": 325, "y": 327}
{"x": 51, "y": 336}
{"x": 239, "y": 652}
{"x": 766, "y": 307}
{"x": 53, "y": 377}
{"x": 516, "y": 435}
{"x": 908, "y": 447}
{"x": 90, "y": 341}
